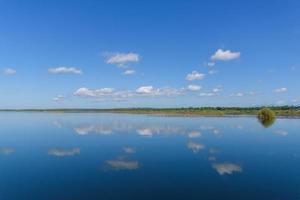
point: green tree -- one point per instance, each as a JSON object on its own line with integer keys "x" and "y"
{"x": 266, "y": 117}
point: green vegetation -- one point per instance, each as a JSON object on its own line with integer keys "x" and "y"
{"x": 266, "y": 116}
{"x": 288, "y": 111}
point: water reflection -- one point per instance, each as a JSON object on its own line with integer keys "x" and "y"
{"x": 195, "y": 147}
{"x": 145, "y": 132}
{"x": 267, "y": 122}
{"x": 129, "y": 150}
{"x": 86, "y": 129}
{"x": 197, "y": 157}
{"x": 143, "y": 129}
{"x": 281, "y": 133}
{"x": 194, "y": 134}
{"x": 63, "y": 152}
{"x": 212, "y": 158}
{"x": 227, "y": 168}
{"x": 7, "y": 150}
{"x": 121, "y": 163}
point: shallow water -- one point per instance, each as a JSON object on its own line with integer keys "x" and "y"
{"x": 122, "y": 156}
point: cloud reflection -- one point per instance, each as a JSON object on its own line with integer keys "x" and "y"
{"x": 226, "y": 168}
{"x": 64, "y": 152}
{"x": 129, "y": 150}
{"x": 195, "y": 147}
{"x": 7, "y": 150}
{"x": 194, "y": 134}
{"x": 121, "y": 164}
{"x": 281, "y": 133}
{"x": 86, "y": 129}
{"x": 145, "y": 132}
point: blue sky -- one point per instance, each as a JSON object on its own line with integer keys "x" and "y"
{"x": 134, "y": 53}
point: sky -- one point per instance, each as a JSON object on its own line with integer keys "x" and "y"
{"x": 113, "y": 53}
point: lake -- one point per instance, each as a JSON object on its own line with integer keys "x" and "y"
{"x": 123, "y": 156}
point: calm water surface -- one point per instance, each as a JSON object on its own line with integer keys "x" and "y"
{"x": 120, "y": 156}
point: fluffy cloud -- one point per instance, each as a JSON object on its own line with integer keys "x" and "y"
{"x": 194, "y": 88}
{"x": 64, "y": 70}
{"x": 122, "y": 58}
{"x": 86, "y": 92}
{"x": 146, "y": 90}
{"x": 195, "y": 76}
{"x": 64, "y": 152}
{"x": 227, "y": 168}
{"x": 225, "y": 55}
{"x": 10, "y": 71}
{"x": 129, "y": 72}
{"x": 165, "y": 91}
{"x": 281, "y": 90}
{"x": 119, "y": 95}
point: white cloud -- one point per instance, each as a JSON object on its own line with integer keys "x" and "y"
{"x": 64, "y": 70}
{"x": 165, "y": 91}
{"x": 217, "y": 89}
{"x": 64, "y": 152}
{"x": 86, "y": 92}
{"x": 211, "y": 64}
{"x": 211, "y": 72}
{"x": 241, "y": 94}
{"x": 207, "y": 94}
{"x": 194, "y": 88}
{"x": 129, "y": 72}
{"x": 281, "y": 90}
{"x": 59, "y": 98}
{"x": 145, "y": 90}
{"x": 195, "y": 76}
{"x": 225, "y": 55}
{"x": 10, "y": 71}
{"x": 238, "y": 94}
{"x": 122, "y": 58}
{"x": 227, "y": 168}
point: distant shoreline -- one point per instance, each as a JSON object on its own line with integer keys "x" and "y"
{"x": 285, "y": 111}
